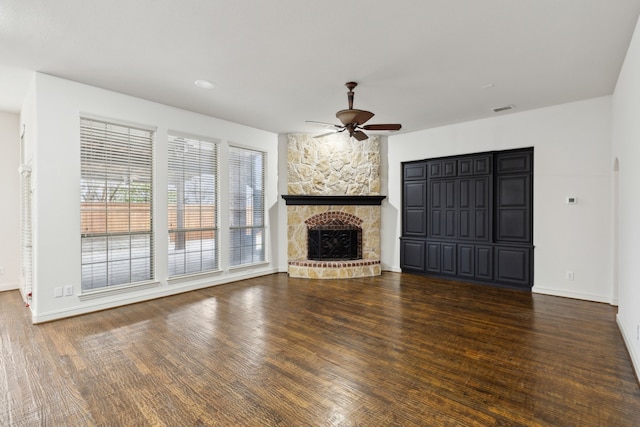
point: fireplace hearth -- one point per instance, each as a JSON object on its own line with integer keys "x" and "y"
{"x": 333, "y": 237}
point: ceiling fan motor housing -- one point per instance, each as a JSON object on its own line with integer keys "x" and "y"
{"x": 354, "y": 117}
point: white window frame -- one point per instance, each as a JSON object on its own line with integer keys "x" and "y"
{"x": 117, "y": 225}
{"x": 193, "y": 248}
{"x": 247, "y": 231}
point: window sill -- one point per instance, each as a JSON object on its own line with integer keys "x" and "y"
{"x": 185, "y": 277}
{"x": 249, "y": 266}
{"x": 116, "y": 290}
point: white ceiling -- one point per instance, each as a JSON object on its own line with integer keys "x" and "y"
{"x": 278, "y": 63}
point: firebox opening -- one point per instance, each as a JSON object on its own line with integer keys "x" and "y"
{"x": 334, "y": 241}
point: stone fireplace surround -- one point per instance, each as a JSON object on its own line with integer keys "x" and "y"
{"x": 333, "y": 177}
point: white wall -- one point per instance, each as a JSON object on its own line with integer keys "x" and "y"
{"x": 55, "y": 124}
{"x": 283, "y": 172}
{"x": 10, "y": 196}
{"x": 572, "y": 146}
{"x": 626, "y": 149}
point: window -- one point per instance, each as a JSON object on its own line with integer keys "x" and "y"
{"x": 116, "y": 204}
{"x": 246, "y": 206}
{"x": 193, "y": 200}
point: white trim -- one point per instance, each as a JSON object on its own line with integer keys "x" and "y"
{"x": 116, "y": 290}
{"x": 628, "y": 341}
{"x": 190, "y": 276}
{"x": 120, "y": 122}
{"x": 189, "y": 135}
{"x": 574, "y": 295}
{"x": 10, "y": 286}
{"x": 248, "y": 266}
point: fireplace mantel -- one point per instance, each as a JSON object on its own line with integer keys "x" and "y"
{"x": 311, "y": 200}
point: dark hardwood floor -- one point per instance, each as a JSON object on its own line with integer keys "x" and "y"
{"x": 391, "y": 350}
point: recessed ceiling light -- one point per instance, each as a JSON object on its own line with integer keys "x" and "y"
{"x": 205, "y": 84}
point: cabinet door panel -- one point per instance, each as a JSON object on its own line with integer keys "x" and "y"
{"x": 482, "y": 165}
{"x": 436, "y": 223}
{"x": 481, "y": 226}
{"x": 513, "y": 209}
{"x": 415, "y": 222}
{"x": 435, "y": 169}
{"x": 435, "y": 195}
{"x": 449, "y": 168}
{"x": 466, "y": 258}
{"x": 466, "y": 195}
{"x": 513, "y": 162}
{"x": 465, "y": 229}
{"x": 412, "y": 254}
{"x": 415, "y": 194}
{"x": 512, "y": 265}
{"x": 415, "y": 171}
{"x": 450, "y": 213}
{"x": 482, "y": 206}
{"x": 433, "y": 257}
{"x": 450, "y": 200}
{"x": 513, "y": 191}
{"x": 484, "y": 262}
{"x": 448, "y": 258}
{"x": 436, "y": 211}
{"x": 450, "y": 224}
{"x": 415, "y": 208}
{"x": 465, "y": 209}
{"x": 482, "y": 196}
{"x": 513, "y": 225}
{"x": 465, "y": 167}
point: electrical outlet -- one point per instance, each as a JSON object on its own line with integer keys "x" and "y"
{"x": 569, "y": 275}
{"x": 68, "y": 290}
{"x": 57, "y": 292}
{"x": 1, "y": 271}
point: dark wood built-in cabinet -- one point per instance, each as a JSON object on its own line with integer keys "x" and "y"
{"x": 470, "y": 217}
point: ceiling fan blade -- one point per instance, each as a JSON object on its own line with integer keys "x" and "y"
{"x": 359, "y": 135}
{"x": 362, "y": 117}
{"x": 327, "y": 125}
{"x": 394, "y": 126}
{"x": 329, "y": 133}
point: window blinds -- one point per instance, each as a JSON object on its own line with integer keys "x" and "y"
{"x": 192, "y": 205}
{"x": 116, "y": 204}
{"x": 246, "y": 206}
{"x": 27, "y": 235}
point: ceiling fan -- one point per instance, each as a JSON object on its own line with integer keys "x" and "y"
{"x": 354, "y": 120}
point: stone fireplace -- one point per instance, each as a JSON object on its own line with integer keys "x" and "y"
{"x": 333, "y": 207}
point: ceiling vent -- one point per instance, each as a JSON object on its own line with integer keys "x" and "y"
{"x": 505, "y": 108}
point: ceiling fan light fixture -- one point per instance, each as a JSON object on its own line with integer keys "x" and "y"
{"x": 350, "y": 116}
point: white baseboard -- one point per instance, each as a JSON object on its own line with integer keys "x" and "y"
{"x": 10, "y": 286}
{"x": 628, "y": 341}
{"x": 574, "y": 295}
